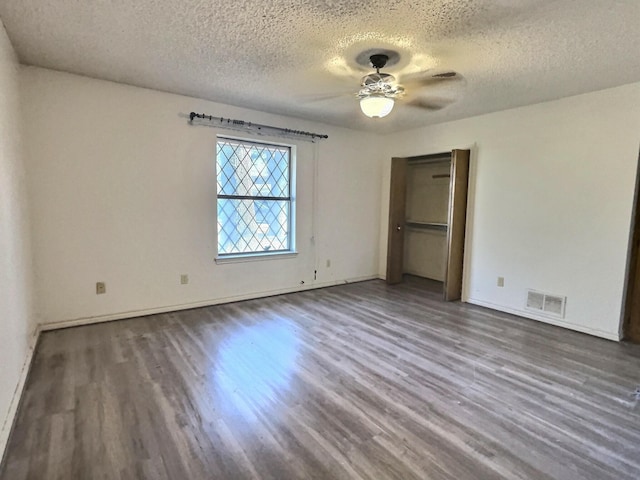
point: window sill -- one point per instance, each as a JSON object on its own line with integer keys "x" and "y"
{"x": 254, "y": 257}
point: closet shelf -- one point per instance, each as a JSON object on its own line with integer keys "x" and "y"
{"x": 427, "y": 225}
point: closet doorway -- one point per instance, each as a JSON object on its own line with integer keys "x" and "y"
{"x": 427, "y": 216}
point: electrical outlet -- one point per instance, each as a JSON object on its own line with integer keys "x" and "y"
{"x": 101, "y": 288}
{"x": 501, "y": 281}
{"x": 184, "y": 279}
{"x": 328, "y": 263}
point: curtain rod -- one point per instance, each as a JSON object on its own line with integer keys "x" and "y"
{"x": 242, "y": 125}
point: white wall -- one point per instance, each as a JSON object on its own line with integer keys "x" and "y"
{"x": 551, "y": 195}
{"x": 16, "y": 319}
{"x": 123, "y": 191}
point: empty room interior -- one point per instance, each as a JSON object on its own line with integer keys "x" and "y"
{"x": 320, "y": 240}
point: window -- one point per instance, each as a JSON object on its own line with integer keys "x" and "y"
{"x": 254, "y": 198}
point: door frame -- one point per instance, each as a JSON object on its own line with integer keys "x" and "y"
{"x": 631, "y": 314}
{"x": 458, "y": 192}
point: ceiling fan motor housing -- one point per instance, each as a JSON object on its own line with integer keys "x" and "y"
{"x": 378, "y": 60}
{"x": 379, "y": 90}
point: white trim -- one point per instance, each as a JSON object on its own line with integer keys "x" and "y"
{"x": 9, "y": 420}
{"x": 255, "y": 257}
{"x": 615, "y": 336}
{"x": 205, "y": 303}
{"x": 274, "y": 140}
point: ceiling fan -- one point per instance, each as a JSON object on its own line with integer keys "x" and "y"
{"x": 379, "y": 91}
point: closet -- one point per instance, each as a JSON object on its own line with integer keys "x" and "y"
{"x": 427, "y": 215}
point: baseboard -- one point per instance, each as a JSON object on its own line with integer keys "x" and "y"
{"x": 552, "y": 321}
{"x": 7, "y": 425}
{"x": 76, "y": 322}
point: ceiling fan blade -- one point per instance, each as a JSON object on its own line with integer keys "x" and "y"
{"x": 428, "y": 79}
{"x": 445, "y": 75}
{"x": 430, "y": 103}
{"x": 321, "y": 97}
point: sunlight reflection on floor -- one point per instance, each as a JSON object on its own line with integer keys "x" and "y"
{"x": 254, "y": 367}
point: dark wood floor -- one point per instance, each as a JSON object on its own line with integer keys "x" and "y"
{"x": 360, "y": 381}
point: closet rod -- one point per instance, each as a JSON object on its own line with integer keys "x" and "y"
{"x": 427, "y": 225}
{"x": 431, "y": 158}
{"x": 429, "y": 161}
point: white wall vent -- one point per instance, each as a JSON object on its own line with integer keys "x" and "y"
{"x": 546, "y": 303}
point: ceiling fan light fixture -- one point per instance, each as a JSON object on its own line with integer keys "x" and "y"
{"x": 376, "y": 106}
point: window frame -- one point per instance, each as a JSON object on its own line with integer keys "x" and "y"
{"x": 291, "y": 199}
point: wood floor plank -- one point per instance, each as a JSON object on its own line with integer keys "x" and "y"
{"x": 361, "y": 381}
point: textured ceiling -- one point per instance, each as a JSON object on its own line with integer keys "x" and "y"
{"x": 286, "y": 56}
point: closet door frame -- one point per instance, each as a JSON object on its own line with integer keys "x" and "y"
{"x": 458, "y": 188}
{"x": 631, "y": 315}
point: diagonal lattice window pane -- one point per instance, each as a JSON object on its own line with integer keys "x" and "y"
{"x": 252, "y": 169}
{"x": 250, "y": 226}
{"x": 254, "y": 200}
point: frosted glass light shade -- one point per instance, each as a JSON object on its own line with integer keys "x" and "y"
{"x": 376, "y": 106}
